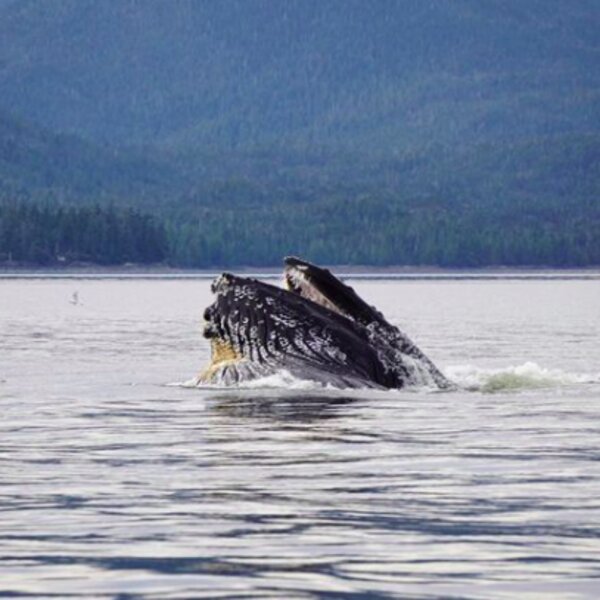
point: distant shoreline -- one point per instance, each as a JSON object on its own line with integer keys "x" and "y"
{"x": 365, "y": 271}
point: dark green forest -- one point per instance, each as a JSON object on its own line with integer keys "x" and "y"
{"x": 197, "y": 133}
{"x": 48, "y": 235}
{"x": 545, "y": 212}
{"x": 365, "y": 231}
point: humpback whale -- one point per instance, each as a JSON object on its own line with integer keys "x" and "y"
{"x": 316, "y": 328}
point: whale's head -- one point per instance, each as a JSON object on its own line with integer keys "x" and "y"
{"x": 256, "y": 328}
{"x": 317, "y": 329}
{"x": 321, "y": 286}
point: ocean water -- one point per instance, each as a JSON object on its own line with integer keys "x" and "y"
{"x": 117, "y": 481}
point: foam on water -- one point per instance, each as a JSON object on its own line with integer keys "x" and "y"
{"x": 284, "y": 379}
{"x": 468, "y": 377}
{"x": 529, "y": 375}
{"x": 281, "y": 379}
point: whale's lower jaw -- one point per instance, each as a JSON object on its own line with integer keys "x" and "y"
{"x": 238, "y": 371}
{"x": 229, "y": 368}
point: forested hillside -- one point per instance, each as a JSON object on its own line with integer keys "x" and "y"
{"x": 39, "y": 164}
{"x": 451, "y": 132}
{"x": 365, "y": 230}
{"x": 387, "y": 74}
{"x": 46, "y": 235}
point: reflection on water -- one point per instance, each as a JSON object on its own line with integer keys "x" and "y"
{"x": 115, "y": 485}
{"x": 279, "y": 408}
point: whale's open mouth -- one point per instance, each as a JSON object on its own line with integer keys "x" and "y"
{"x": 321, "y": 286}
{"x": 303, "y": 279}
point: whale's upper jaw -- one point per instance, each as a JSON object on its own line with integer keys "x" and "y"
{"x": 299, "y": 278}
{"x": 324, "y": 288}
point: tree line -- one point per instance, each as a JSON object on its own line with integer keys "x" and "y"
{"x": 48, "y": 235}
{"x": 363, "y": 230}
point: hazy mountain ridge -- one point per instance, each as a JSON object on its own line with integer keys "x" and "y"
{"x": 304, "y": 122}
{"x": 340, "y": 72}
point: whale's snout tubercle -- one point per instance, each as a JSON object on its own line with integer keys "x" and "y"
{"x": 221, "y": 282}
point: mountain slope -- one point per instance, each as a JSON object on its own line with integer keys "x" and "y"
{"x": 341, "y": 74}
{"x": 37, "y": 163}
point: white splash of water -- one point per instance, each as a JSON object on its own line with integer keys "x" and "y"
{"x": 282, "y": 379}
{"x": 529, "y": 375}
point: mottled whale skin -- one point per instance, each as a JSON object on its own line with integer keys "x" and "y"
{"x": 317, "y": 329}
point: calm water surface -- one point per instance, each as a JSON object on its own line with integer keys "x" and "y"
{"x": 114, "y": 483}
